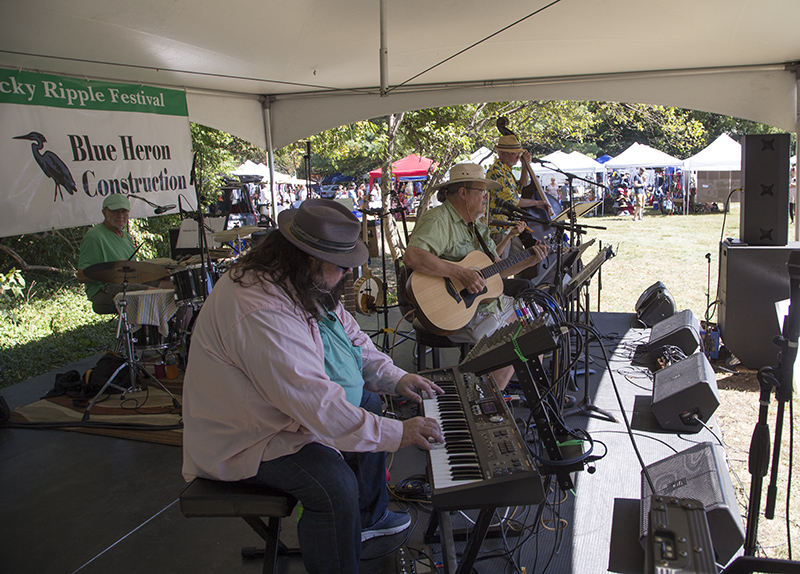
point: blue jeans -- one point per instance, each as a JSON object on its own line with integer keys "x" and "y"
{"x": 339, "y": 493}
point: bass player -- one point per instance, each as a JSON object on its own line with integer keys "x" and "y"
{"x": 509, "y": 151}
{"x": 446, "y": 234}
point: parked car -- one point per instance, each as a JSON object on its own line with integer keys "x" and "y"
{"x": 328, "y": 191}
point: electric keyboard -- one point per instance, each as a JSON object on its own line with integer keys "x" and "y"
{"x": 484, "y": 461}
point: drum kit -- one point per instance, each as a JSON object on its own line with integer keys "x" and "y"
{"x": 161, "y": 320}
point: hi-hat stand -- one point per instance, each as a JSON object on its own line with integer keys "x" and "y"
{"x": 134, "y": 367}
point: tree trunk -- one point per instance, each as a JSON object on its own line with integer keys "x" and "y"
{"x": 389, "y": 226}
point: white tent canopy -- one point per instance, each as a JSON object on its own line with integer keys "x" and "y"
{"x": 483, "y": 156}
{"x": 573, "y": 162}
{"x": 723, "y": 154}
{"x": 294, "y": 81}
{"x": 251, "y": 168}
{"x": 641, "y": 155}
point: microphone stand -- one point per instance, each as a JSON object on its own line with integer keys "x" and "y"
{"x": 758, "y": 462}
{"x": 202, "y": 243}
{"x": 159, "y": 209}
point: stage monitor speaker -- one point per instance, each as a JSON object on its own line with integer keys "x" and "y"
{"x": 655, "y": 304}
{"x": 764, "y": 215}
{"x": 751, "y": 280}
{"x": 684, "y": 390}
{"x": 681, "y": 331}
{"x": 699, "y": 473}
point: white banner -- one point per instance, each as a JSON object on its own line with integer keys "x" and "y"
{"x": 68, "y": 143}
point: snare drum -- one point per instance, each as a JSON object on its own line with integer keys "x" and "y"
{"x": 148, "y": 338}
{"x": 192, "y": 284}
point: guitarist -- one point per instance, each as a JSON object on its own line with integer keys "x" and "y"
{"x": 509, "y": 151}
{"x": 449, "y": 232}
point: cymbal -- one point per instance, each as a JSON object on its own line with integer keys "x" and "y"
{"x": 232, "y": 234}
{"x": 119, "y": 271}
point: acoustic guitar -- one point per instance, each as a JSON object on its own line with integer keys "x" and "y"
{"x": 444, "y": 306}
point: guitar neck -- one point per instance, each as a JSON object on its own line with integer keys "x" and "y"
{"x": 500, "y": 266}
{"x": 349, "y": 297}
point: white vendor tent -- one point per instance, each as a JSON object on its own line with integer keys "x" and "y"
{"x": 483, "y": 156}
{"x": 717, "y": 170}
{"x": 573, "y": 162}
{"x": 641, "y": 155}
{"x": 723, "y": 154}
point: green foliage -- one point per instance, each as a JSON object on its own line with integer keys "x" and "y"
{"x": 44, "y": 333}
{"x": 219, "y": 153}
{"x": 12, "y": 283}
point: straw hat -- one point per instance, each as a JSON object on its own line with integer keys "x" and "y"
{"x": 465, "y": 172}
{"x": 509, "y": 144}
{"x": 326, "y": 230}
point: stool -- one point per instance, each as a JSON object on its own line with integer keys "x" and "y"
{"x": 213, "y": 498}
{"x": 426, "y": 339}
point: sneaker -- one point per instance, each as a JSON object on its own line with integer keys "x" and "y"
{"x": 390, "y": 523}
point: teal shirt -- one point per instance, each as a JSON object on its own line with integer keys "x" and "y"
{"x": 342, "y": 358}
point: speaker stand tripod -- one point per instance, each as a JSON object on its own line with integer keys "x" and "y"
{"x": 134, "y": 367}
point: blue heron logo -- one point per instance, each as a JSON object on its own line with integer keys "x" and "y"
{"x": 52, "y": 165}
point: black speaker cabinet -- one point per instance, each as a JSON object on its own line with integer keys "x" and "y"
{"x": 699, "y": 473}
{"x": 764, "y": 215}
{"x": 681, "y": 330}
{"x": 655, "y": 304}
{"x": 751, "y": 280}
{"x": 684, "y": 390}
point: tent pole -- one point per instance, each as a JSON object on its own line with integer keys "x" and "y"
{"x": 383, "y": 56}
{"x": 267, "y": 113}
{"x": 796, "y": 146}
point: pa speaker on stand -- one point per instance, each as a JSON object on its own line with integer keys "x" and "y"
{"x": 764, "y": 215}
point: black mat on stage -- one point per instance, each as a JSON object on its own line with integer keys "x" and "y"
{"x": 94, "y": 504}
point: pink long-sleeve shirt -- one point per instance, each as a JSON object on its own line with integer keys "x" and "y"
{"x": 255, "y": 387}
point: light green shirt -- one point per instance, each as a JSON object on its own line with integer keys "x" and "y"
{"x": 100, "y": 245}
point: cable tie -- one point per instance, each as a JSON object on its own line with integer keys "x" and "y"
{"x": 517, "y": 350}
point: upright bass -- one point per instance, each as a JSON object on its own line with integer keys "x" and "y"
{"x": 532, "y": 191}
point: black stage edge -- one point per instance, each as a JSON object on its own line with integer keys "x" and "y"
{"x": 91, "y": 504}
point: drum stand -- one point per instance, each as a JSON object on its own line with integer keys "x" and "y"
{"x": 134, "y": 367}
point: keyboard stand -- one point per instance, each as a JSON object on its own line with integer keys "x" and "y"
{"x": 441, "y": 519}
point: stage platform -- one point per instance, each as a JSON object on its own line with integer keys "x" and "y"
{"x": 75, "y": 502}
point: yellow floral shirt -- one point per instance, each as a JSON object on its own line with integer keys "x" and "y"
{"x": 510, "y": 190}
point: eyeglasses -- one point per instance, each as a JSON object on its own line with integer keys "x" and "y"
{"x": 343, "y": 269}
{"x": 481, "y": 189}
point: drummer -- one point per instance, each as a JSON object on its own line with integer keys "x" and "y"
{"x": 109, "y": 241}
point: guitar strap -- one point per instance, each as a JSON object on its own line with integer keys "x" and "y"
{"x": 485, "y": 248}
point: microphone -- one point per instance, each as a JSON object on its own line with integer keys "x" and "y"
{"x": 502, "y": 211}
{"x": 509, "y": 206}
{"x": 159, "y": 209}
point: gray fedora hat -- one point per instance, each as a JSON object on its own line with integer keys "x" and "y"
{"x": 326, "y": 230}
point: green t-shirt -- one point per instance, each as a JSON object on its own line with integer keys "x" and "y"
{"x": 342, "y": 358}
{"x": 99, "y": 245}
